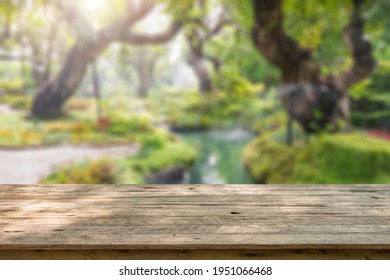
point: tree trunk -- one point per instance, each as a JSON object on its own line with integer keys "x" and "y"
{"x": 51, "y": 97}
{"x": 319, "y": 101}
{"x": 37, "y": 69}
{"x": 97, "y": 89}
{"x": 197, "y": 38}
{"x": 6, "y": 28}
{"x": 199, "y": 67}
{"x": 144, "y": 83}
{"x": 144, "y": 64}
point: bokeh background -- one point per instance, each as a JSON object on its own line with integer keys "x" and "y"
{"x": 194, "y": 91}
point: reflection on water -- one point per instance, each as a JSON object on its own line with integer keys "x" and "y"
{"x": 219, "y": 157}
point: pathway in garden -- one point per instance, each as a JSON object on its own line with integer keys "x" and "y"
{"x": 5, "y": 109}
{"x": 29, "y": 166}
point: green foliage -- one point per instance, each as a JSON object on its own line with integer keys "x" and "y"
{"x": 183, "y": 10}
{"x": 194, "y": 111}
{"x": 360, "y": 90}
{"x": 240, "y": 57}
{"x": 171, "y": 155}
{"x": 372, "y": 120}
{"x": 383, "y": 98}
{"x": 371, "y": 100}
{"x": 77, "y": 127}
{"x": 235, "y": 102}
{"x": 333, "y": 159}
{"x": 316, "y": 24}
{"x": 155, "y": 140}
{"x": 12, "y": 85}
{"x": 378, "y": 20}
{"x": 242, "y": 12}
{"x": 102, "y": 171}
{"x": 123, "y": 125}
{"x": 237, "y": 87}
{"x": 132, "y": 170}
{"x": 380, "y": 81}
{"x": 279, "y": 134}
{"x": 16, "y": 101}
{"x": 268, "y": 161}
{"x": 319, "y": 25}
{"x": 270, "y": 121}
{"x": 7, "y": 7}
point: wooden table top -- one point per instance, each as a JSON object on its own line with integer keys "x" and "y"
{"x": 194, "y": 217}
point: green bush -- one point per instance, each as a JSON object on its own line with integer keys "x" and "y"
{"x": 102, "y": 171}
{"x": 153, "y": 141}
{"x": 330, "y": 159}
{"x": 235, "y": 86}
{"x": 379, "y": 119}
{"x": 12, "y": 85}
{"x": 270, "y": 122}
{"x": 124, "y": 125}
{"x": 172, "y": 154}
{"x": 131, "y": 170}
{"x": 380, "y": 80}
{"x": 17, "y": 101}
{"x": 196, "y": 111}
{"x": 269, "y": 162}
{"x": 371, "y": 96}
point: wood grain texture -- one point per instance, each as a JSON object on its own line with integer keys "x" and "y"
{"x": 218, "y": 221}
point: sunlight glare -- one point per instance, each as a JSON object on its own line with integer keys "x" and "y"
{"x": 93, "y": 6}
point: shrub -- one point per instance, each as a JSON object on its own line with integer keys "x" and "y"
{"x": 380, "y": 80}
{"x": 236, "y": 86}
{"x": 379, "y": 119}
{"x": 336, "y": 159}
{"x": 125, "y": 125}
{"x": 102, "y": 171}
{"x": 196, "y": 111}
{"x": 128, "y": 170}
{"x": 12, "y": 85}
{"x": 172, "y": 154}
{"x": 17, "y": 101}
{"x": 153, "y": 141}
{"x": 371, "y": 96}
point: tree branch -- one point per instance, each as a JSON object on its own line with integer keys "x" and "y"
{"x": 74, "y": 18}
{"x": 216, "y": 29}
{"x": 277, "y": 47}
{"x": 215, "y": 62}
{"x": 136, "y": 13}
{"x": 118, "y": 29}
{"x": 361, "y": 49}
{"x": 6, "y": 32}
{"x": 145, "y": 39}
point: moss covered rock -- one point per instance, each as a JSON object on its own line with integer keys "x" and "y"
{"x": 332, "y": 159}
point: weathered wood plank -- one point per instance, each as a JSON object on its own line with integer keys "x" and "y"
{"x": 203, "y": 190}
{"x": 201, "y": 220}
{"x": 196, "y": 218}
{"x": 264, "y": 254}
{"x": 200, "y": 211}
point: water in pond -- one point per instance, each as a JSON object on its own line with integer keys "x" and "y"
{"x": 219, "y": 157}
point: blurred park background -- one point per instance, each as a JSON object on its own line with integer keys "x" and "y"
{"x": 194, "y": 91}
